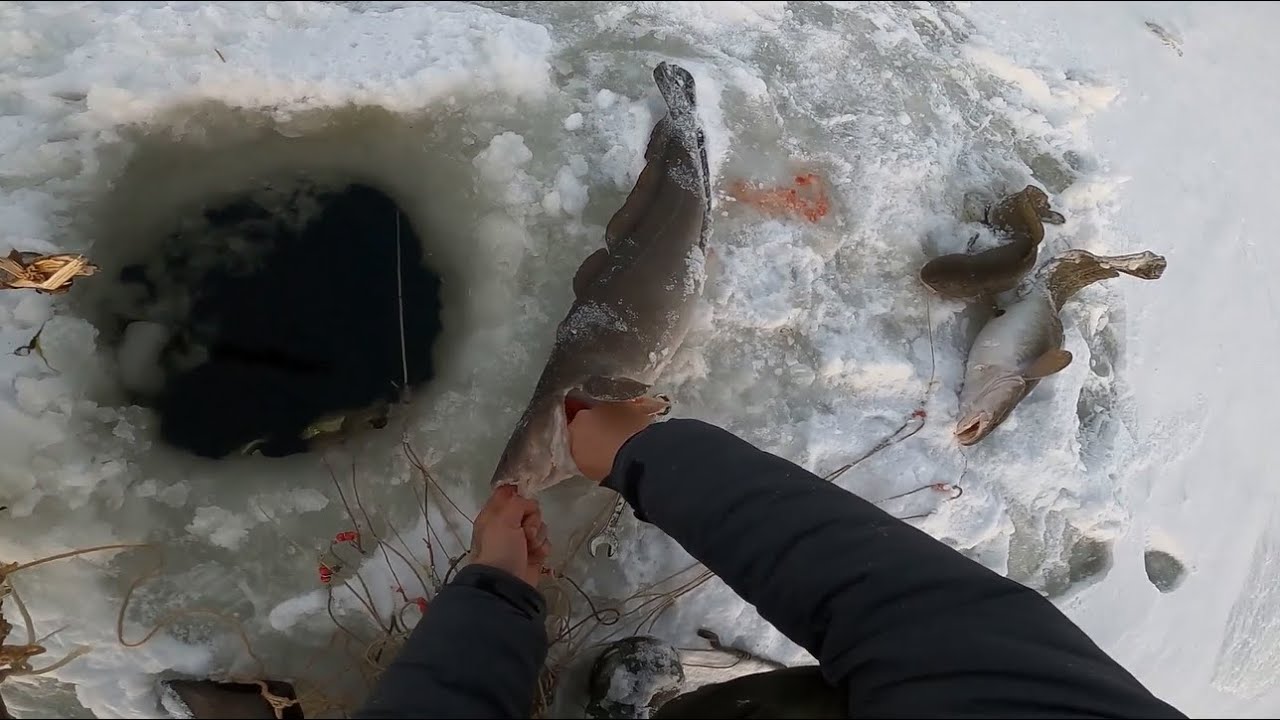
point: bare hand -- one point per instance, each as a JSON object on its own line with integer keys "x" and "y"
{"x": 597, "y": 434}
{"x": 509, "y": 534}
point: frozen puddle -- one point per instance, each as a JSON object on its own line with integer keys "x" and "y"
{"x": 154, "y": 138}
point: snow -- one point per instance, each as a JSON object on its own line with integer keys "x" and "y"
{"x": 510, "y": 133}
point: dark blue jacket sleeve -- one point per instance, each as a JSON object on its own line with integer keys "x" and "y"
{"x": 905, "y": 625}
{"x": 475, "y": 654}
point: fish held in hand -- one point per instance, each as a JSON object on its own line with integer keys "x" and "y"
{"x": 633, "y": 299}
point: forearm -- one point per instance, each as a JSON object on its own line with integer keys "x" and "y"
{"x": 906, "y": 623}
{"x": 476, "y": 653}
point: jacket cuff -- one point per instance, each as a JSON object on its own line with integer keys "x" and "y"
{"x": 517, "y": 593}
{"x": 628, "y": 465}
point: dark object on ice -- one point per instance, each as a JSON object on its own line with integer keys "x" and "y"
{"x": 1017, "y": 349}
{"x": 633, "y": 298}
{"x": 4, "y": 711}
{"x": 901, "y": 624}
{"x": 1171, "y": 40}
{"x": 312, "y": 333}
{"x": 1020, "y": 219}
{"x": 209, "y": 700}
{"x": 1163, "y": 570}
{"x": 633, "y": 677}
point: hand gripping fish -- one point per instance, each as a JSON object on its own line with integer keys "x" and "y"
{"x": 1017, "y": 349}
{"x": 634, "y": 298}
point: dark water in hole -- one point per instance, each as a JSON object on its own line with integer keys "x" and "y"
{"x": 312, "y": 332}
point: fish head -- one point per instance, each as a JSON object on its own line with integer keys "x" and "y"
{"x": 987, "y": 404}
{"x": 950, "y": 276}
{"x": 537, "y": 456}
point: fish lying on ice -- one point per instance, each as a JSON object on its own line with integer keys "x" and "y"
{"x": 1019, "y": 219}
{"x": 1017, "y": 349}
{"x": 634, "y": 298}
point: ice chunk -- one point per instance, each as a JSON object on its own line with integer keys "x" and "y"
{"x": 500, "y": 166}
{"x": 221, "y": 527}
{"x": 605, "y": 99}
{"x": 572, "y": 192}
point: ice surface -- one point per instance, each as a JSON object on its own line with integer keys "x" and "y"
{"x": 510, "y": 133}
{"x": 138, "y": 357}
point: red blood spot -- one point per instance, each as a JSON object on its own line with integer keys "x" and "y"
{"x": 807, "y": 199}
{"x": 422, "y": 604}
{"x": 326, "y": 575}
{"x": 347, "y": 536}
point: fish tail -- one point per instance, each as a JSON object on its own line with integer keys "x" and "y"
{"x": 1074, "y": 270}
{"x": 680, "y": 93}
{"x": 677, "y": 88}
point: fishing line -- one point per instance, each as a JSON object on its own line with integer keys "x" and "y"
{"x": 404, "y": 356}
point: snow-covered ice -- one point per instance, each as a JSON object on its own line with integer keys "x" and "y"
{"x": 509, "y": 133}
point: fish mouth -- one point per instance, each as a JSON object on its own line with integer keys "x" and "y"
{"x": 973, "y": 428}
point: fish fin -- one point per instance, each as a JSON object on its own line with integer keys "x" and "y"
{"x": 589, "y": 270}
{"x": 1047, "y": 364}
{"x": 614, "y": 389}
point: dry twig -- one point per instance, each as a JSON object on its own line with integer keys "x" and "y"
{"x": 52, "y": 274}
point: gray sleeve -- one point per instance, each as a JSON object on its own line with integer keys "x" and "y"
{"x": 903, "y": 623}
{"x": 476, "y": 653}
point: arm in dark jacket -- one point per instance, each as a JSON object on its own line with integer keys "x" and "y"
{"x": 909, "y": 626}
{"x": 475, "y": 654}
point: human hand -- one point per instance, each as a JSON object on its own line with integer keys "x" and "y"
{"x": 596, "y": 435}
{"x": 509, "y": 534}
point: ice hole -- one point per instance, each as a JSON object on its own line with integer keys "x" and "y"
{"x": 256, "y": 279}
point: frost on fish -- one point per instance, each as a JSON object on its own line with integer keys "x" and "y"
{"x": 590, "y": 318}
{"x": 695, "y": 276}
{"x": 689, "y": 178}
